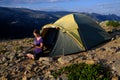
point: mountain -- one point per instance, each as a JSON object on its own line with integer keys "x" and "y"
{"x": 99, "y": 17}
{"x": 20, "y": 22}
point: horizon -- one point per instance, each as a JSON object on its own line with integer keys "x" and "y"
{"x": 105, "y": 7}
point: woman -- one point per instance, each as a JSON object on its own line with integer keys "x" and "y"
{"x": 37, "y": 46}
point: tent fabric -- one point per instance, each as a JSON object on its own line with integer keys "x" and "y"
{"x": 50, "y": 38}
{"x": 67, "y": 22}
{"x": 76, "y": 33}
{"x": 65, "y": 45}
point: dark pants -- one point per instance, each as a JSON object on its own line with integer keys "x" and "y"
{"x": 36, "y": 55}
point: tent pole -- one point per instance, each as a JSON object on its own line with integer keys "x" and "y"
{"x": 63, "y": 51}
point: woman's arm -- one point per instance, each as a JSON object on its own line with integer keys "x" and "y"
{"x": 40, "y": 46}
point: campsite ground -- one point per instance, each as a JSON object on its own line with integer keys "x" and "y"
{"x": 14, "y": 66}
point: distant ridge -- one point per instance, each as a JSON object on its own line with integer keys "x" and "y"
{"x": 20, "y": 22}
{"x": 100, "y": 17}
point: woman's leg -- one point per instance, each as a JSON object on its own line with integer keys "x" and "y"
{"x": 31, "y": 56}
{"x": 38, "y": 55}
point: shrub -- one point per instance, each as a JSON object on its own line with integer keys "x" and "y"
{"x": 113, "y": 23}
{"x": 84, "y": 71}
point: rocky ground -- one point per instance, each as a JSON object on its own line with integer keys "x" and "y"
{"x": 14, "y": 66}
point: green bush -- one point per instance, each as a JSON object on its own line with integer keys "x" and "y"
{"x": 84, "y": 71}
{"x": 113, "y": 23}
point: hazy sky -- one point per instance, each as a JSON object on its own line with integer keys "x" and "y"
{"x": 96, "y": 6}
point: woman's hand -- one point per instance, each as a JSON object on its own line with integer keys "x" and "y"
{"x": 33, "y": 45}
{"x": 38, "y": 47}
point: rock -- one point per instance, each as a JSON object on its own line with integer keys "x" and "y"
{"x": 47, "y": 74}
{"x": 11, "y": 63}
{"x": 29, "y": 67}
{"x": 35, "y": 78}
{"x": 113, "y": 38}
{"x": 21, "y": 68}
{"x": 35, "y": 64}
{"x": 111, "y": 49}
{"x": 91, "y": 62}
{"x": 115, "y": 49}
{"x": 8, "y": 47}
{"x": 118, "y": 50}
{"x": 64, "y": 77}
{"x": 6, "y": 63}
{"x": 4, "y": 59}
{"x": 111, "y": 62}
{"x": 20, "y": 54}
{"x": 45, "y": 62}
{"x": 41, "y": 78}
{"x": 11, "y": 58}
{"x": 83, "y": 58}
{"x": 18, "y": 60}
{"x": 52, "y": 78}
{"x": 114, "y": 68}
{"x": 75, "y": 56}
{"x": 24, "y": 77}
{"x": 102, "y": 49}
{"x": 16, "y": 69}
{"x": 4, "y": 78}
{"x": 19, "y": 51}
{"x": 65, "y": 59}
{"x": 117, "y": 36}
{"x": 58, "y": 78}
{"x": 23, "y": 58}
{"x": 7, "y": 53}
{"x": 43, "y": 67}
{"x": 46, "y": 59}
{"x": 90, "y": 56}
{"x": 36, "y": 68}
{"x": 1, "y": 61}
{"x": 115, "y": 78}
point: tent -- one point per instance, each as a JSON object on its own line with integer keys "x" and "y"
{"x": 73, "y": 33}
